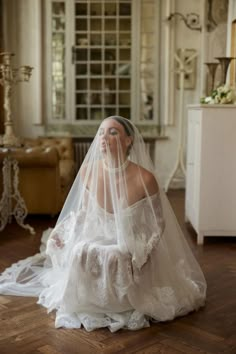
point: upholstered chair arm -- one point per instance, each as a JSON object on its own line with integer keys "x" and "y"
{"x": 33, "y": 157}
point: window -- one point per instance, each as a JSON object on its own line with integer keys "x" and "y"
{"x": 102, "y": 61}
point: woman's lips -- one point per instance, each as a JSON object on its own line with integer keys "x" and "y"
{"x": 104, "y": 145}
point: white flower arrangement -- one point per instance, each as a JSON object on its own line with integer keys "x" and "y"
{"x": 221, "y": 95}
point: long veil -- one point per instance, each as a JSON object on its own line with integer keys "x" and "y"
{"x": 116, "y": 256}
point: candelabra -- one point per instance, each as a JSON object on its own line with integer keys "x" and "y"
{"x": 9, "y": 77}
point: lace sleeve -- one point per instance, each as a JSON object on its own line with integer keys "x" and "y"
{"x": 147, "y": 228}
{"x": 60, "y": 235}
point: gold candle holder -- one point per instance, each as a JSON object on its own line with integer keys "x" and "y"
{"x": 9, "y": 77}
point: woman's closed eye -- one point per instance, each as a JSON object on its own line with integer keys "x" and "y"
{"x": 111, "y": 131}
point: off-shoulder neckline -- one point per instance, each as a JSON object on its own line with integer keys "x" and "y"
{"x": 131, "y": 206}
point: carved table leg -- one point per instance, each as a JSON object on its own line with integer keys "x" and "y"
{"x": 11, "y": 193}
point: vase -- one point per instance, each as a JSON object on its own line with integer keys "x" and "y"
{"x": 224, "y": 63}
{"x": 212, "y": 71}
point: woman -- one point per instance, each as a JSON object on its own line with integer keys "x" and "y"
{"x": 116, "y": 257}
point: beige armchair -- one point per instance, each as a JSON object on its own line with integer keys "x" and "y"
{"x": 46, "y": 173}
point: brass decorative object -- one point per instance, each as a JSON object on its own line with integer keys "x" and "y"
{"x": 224, "y": 63}
{"x": 212, "y": 71}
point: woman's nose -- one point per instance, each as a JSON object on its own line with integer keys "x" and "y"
{"x": 105, "y": 136}
{"x": 103, "y": 139}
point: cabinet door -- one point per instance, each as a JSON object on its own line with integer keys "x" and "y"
{"x": 218, "y": 166}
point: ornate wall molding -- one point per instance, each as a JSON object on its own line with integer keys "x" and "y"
{"x": 89, "y": 130}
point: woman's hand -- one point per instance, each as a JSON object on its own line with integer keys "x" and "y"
{"x": 59, "y": 243}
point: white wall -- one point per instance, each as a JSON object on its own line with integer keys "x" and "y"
{"x": 208, "y": 45}
{"x": 231, "y": 18}
{"x": 166, "y": 152}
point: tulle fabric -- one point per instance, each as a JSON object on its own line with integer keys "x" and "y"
{"x": 117, "y": 257}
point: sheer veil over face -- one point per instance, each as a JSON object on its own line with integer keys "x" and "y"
{"x": 112, "y": 137}
{"x": 117, "y": 256}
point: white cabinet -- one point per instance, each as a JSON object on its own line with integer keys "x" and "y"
{"x": 210, "y": 202}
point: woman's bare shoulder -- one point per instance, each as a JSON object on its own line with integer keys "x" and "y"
{"x": 147, "y": 178}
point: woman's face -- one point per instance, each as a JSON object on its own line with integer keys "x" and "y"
{"x": 113, "y": 137}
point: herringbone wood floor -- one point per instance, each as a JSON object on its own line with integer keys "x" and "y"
{"x": 26, "y": 328}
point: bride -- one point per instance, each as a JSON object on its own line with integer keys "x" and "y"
{"x": 117, "y": 257}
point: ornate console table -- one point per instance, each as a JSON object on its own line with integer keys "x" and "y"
{"x": 11, "y": 203}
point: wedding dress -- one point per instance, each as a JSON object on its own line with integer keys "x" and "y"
{"x": 117, "y": 257}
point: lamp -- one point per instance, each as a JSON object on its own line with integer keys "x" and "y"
{"x": 190, "y": 20}
{"x": 8, "y": 77}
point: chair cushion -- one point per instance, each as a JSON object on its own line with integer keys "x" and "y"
{"x": 67, "y": 172}
{"x": 63, "y": 145}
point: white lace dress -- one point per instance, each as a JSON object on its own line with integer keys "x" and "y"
{"x": 116, "y": 279}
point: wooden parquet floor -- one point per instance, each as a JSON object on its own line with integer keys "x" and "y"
{"x": 26, "y": 328}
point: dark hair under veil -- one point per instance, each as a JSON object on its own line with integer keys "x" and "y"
{"x": 128, "y": 127}
{"x": 117, "y": 257}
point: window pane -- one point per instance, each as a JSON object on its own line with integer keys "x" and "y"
{"x": 109, "y": 98}
{"x": 96, "y": 114}
{"x": 95, "y": 25}
{"x": 81, "y": 24}
{"x": 58, "y": 111}
{"x": 124, "y": 84}
{"x": 110, "y": 25}
{"x": 95, "y": 98}
{"x": 110, "y": 112}
{"x": 81, "y": 84}
{"x": 58, "y": 8}
{"x": 95, "y": 39}
{"x": 81, "y": 69}
{"x": 124, "y": 39}
{"x": 81, "y": 98}
{"x": 110, "y": 84}
{"x": 101, "y": 28}
{"x": 58, "y": 40}
{"x": 96, "y": 84}
{"x": 95, "y": 55}
{"x": 58, "y": 24}
{"x": 81, "y": 39}
{"x": 81, "y": 54}
{"x": 80, "y": 9}
{"x": 110, "y": 39}
{"x": 124, "y": 112}
{"x": 125, "y": 54}
{"x": 125, "y": 9}
{"x": 81, "y": 113}
{"x": 125, "y": 24}
{"x": 110, "y": 9}
{"x": 124, "y": 98}
{"x": 95, "y": 69}
{"x": 95, "y": 9}
{"x": 110, "y": 54}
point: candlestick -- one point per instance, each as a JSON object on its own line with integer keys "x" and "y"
{"x": 9, "y": 77}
